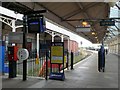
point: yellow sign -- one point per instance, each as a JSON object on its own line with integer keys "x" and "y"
{"x": 57, "y": 54}
{"x": 37, "y": 60}
{"x": 65, "y": 59}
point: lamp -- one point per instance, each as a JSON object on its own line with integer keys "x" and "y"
{"x": 95, "y": 37}
{"x": 93, "y": 33}
{"x": 84, "y": 23}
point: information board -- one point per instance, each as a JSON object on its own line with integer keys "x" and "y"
{"x": 57, "y": 53}
{"x": 22, "y": 54}
{"x": 57, "y": 57}
{"x": 36, "y": 25}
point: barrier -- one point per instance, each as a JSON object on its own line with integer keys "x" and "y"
{"x": 42, "y": 69}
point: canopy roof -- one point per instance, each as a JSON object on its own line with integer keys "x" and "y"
{"x": 70, "y": 15}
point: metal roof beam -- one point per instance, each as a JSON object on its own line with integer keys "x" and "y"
{"x": 79, "y": 11}
{"x": 117, "y": 28}
{"x": 113, "y": 29}
{"x": 87, "y": 36}
{"x": 54, "y": 14}
{"x": 85, "y": 13}
{"x": 117, "y": 6}
{"x": 92, "y": 20}
{"x": 112, "y": 32}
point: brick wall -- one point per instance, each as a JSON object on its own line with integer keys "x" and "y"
{"x": 73, "y": 45}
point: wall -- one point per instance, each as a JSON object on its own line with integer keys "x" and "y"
{"x": 113, "y": 45}
{"x": 73, "y": 45}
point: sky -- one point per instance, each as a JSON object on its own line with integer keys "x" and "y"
{"x": 114, "y": 14}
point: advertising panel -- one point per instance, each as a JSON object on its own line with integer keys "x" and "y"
{"x": 57, "y": 53}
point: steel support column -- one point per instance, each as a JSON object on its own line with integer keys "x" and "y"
{"x": 13, "y": 26}
{"x": 53, "y": 36}
{"x": 62, "y": 38}
{"x": 68, "y": 44}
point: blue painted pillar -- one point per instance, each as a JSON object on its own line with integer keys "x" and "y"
{"x": 2, "y": 56}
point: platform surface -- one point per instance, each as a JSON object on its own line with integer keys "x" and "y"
{"x": 84, "y": 75}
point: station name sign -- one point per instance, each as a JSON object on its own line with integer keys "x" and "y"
{"x": 107, "y": 23}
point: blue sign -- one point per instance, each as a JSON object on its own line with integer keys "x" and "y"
{"x": 57, "y": 76}
{"x": 42, "y": 25}
{"x": 33, "y": 23}
{"x": 36, "y": 25}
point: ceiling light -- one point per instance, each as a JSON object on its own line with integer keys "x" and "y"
{"x": 95, "y": 37}
{"x": 84, "y": 23}
{"x": 93, "y": 33}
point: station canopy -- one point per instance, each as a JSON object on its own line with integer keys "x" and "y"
{"x": 70, "y": 15}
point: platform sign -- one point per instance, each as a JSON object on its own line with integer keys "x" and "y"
{"x": 107, "y": 23}
{"x": 57, "y": 52}
{"x": 83, "y": 29}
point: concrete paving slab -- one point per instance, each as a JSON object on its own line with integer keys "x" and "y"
{"x": 84, "y": 75}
